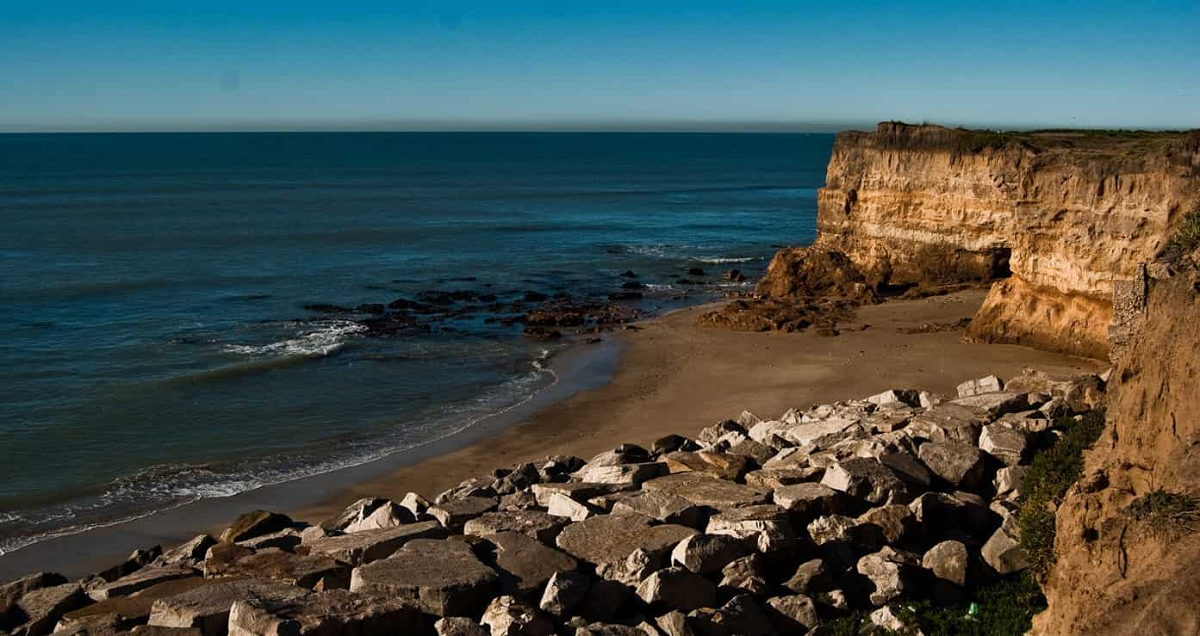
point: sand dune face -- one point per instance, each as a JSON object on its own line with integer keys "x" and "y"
{"x": 1060, "y": 216}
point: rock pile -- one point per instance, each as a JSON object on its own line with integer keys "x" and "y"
{"x": 756, "y": 526}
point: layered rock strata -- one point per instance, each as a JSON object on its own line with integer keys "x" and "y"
{"x": 1056, "y": 216}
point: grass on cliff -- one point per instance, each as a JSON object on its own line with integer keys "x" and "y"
{"x": 1187, "y": 235}
{"x": 1050, "y": 475}
{"x": 1165, "y": 511}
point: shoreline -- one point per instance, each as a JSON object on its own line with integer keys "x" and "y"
{"x": 668, "y": 376}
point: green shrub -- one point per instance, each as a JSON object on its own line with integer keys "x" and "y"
{"x": 1050, "y": 475}
{"x": 1005, "y": 607}
{"x": 1187, "y": 235}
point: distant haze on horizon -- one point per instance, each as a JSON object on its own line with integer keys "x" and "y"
{"x": 579, "y": 66}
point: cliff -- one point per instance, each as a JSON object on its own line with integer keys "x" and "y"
{"x": 1054, "y": 217}
{"x": 1128, "y": 533}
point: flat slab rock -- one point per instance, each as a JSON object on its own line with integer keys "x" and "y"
{"x": 140, "y": 580}
{"x": 293, "y": 569}
{"x": 207, "y": 608}
{"x": 525, "y": 564}
{"x": 540, "y": 525}
{"x": 321, "y": 613}
{"x": 610, "y": 539}
{"x": 708, "y": 491}
{"x": 444, "y": 578}
{"x": 372, "y": 545}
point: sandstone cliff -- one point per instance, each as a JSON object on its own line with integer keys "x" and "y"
{"x": 1056, "y": 215}
{"x": 1119, "y": 572}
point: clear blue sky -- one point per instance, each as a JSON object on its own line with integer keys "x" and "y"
{"x": 614, "y": 64}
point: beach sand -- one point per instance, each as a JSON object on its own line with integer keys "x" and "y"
{"x": 670, "y": 377}
{"x": 675, "y": 377}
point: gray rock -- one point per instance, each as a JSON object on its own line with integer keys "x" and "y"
{"x": 885, "y": 618}
{"x": 444, "y": 578}
{"x": 807, "y": 501}
{"x": 564, "y": 507}
{"x": 331, "y": 612}
{"x": 1004, "y": 443}
{"x": 775, "y": 478}
{"x": 475, "y": 487}
{"x": 765, "y": 528}
{"x": 416, "y": 504}
{"x": 897, "y": 522}
{"x": 285, "y": 540}
{"x": 190, "y": 552}
{"x": 456, "y": 512}
{"x": 459, "y": 626}
{"x": 996, "y": 404}
{"x": 207, "y": 608}
{"x": 661, "y": 506}
{"x": 525, "y": 564}
{"x": 674, "y": 623}
{"x": 12, "y": 591}
{"x": 540, "y": 525}
{"x": 627, "y": 475}
{"x": 371, "y": 545}
{"x": 857, "y": 535}
{"x": 988, "y": 384}
{"x": 948, "y": 422}
{"x": 303, "y": 571}
{"x": 747, "y": 575}
{"x": 961, "y": 465}
{"x": 756, "y": 451}
{"x": 907, "y": 468}
{"x": 948, "y": 561}
{"x": 353, "y": 513}
{"x": 707, "y": 553}
{"x": 1003, "y": 550}
{"x": 387, "y": 515}
{"x": 39, "y": 610}
{"x": 677, "y": 588}
{"x": 896, "y": 398}
{"x": 253, "y": 524}
{"x": 1009, "y": 480}
{"x": 577, "y": 490}
{"x": 867, "y": 479}
{"x": 794, "y": 614}
{"x": 508, "y": 616}
{"x": 720, "y": 465}
{"x": 563, "y": 592}
{"x": 140, "y": 580}
{"x": 890, "y": 577}
{"x": 811, "y": 577}
{"x": 708, "y": 491}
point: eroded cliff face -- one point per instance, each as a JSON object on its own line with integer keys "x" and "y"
{"x": 1117, "y": 573}
{"x": 1058, "y": 216}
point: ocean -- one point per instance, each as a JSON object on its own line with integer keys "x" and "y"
{"x": 188, "y": 316}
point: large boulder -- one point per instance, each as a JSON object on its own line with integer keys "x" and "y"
{"x": 889, "y": 572}
{"x": 525, "y": 564}
{"x": 897, "y": 522}
{"x": 793, "y": 614}
{"x": 625, "y": 475}
{"x": 989, "y": 384}
{"x": 661, "y": 506}
{"x": 995, "y": 404}
{"x": 563, "y": 592}
{"x": 708, "y": 491}
{"x": 456, "y": 512}
{"x": 947, "y": 423}
{"x": 207, "y": 608}
{"x": 677, "y": 588}
{"x": 747, "y": 575}
{"x": 304, "y": 571}
{"x": 39, "y": 610}
{"x": 774, "y": 478}
{"x": 765, "y": 528}
{"x": 948, "y": 561}
{"x": 961, "y": 465}
{"x": 866, "y": 478}
{"x": 1003, "y": 550}
{"x": 540, "y": 525}
{"x": 577, "y": 490}
{"x": 318, "y": 614}
{"x": 140, "y": 580}
{"x": 608, "y": 541}
{"x": 371, "y": 545}
{"x": 253, "y": 524}
{"x": 720, "y": 465}
{"x": 444, "y": 578}
{"x": 1004, "y": 443}
{"x": 707, "y": 553}
{"x": 807, "y": 501}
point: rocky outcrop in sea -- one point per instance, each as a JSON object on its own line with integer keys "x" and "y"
{"x": 756, "y": 526}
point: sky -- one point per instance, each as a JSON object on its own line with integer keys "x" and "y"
{"x": 562, "y": 65}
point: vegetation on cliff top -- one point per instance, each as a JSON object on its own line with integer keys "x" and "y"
{"x": 1051, "y": 474}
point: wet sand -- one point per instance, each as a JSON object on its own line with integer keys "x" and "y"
{"x": 669, "y": 377}
{"x": 674, "y": 377}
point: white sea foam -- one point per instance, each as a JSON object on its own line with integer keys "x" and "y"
{"x": 717, "y": 260}
{"x": 320, "y": 342}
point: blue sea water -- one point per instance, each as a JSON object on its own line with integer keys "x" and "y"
{"x": 155, "y": 347}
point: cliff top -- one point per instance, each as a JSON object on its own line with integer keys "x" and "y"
{"x": 1109, "y": 143}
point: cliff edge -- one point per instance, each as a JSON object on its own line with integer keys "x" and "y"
{"x": 1054, "y": 217}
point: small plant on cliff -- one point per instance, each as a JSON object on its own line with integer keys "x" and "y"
{"x": 1187, "y": 235}
{"x": 1003, "y": 608}
{"x": 1165, "y": 511}
{"x": 1050, "y": 475}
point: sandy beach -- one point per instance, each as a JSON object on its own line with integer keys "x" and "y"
{"x": 674, "y": 377}
{"x": 670, "y": 377}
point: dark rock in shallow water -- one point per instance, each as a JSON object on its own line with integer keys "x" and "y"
{"x": 632, "y": 285}
{"x": 327, "y": 308}
{"x": 628, "y": 274}
{"x": 626, "y": 295}
{"x": 371, "y": 308}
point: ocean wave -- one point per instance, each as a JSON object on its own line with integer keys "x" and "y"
{"x": 717, "y": 260}
{"x": 165, "y": 487}
{"x": 320, "y": 342}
